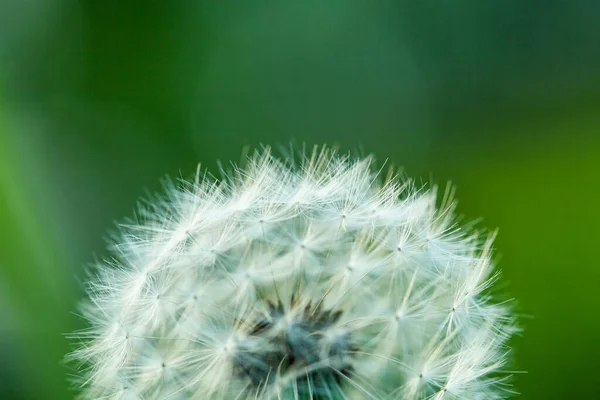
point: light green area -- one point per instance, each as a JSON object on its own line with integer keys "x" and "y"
{"x": 37, "y": 288}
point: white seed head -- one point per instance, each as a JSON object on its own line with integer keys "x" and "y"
{"x": 296, "y": 279}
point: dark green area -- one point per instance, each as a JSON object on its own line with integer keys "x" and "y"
{"x": 100, "y": 99}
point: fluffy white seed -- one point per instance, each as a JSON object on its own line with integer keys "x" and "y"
{"x": 306, "y": 279}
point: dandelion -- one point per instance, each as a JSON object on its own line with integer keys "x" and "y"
{"x": 313, "y": 278}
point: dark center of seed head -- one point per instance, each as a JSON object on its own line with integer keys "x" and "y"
{"x": 302, "y": 348}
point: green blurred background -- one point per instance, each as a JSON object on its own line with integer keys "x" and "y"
{"x": 101, "y": 99}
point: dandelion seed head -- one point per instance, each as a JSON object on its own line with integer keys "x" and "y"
{"x": 313, "y": 278}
